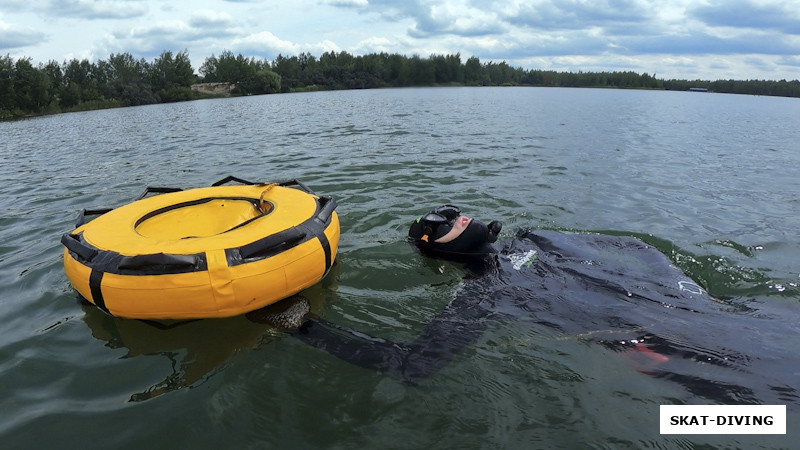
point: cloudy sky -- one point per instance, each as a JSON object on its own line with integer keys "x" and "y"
{"x": 685, "y": 39}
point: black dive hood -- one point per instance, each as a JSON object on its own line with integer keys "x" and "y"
{"x": 474, "y": 242}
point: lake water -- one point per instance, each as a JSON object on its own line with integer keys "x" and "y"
{"x": 711, "y": 180}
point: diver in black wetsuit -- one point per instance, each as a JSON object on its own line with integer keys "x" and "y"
{"x": 445, "y": 233}
{"x": 542, "y": 277}
{"x": 614, "y": 290}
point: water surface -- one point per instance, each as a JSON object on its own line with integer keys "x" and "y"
{"x": 708, "y": 179}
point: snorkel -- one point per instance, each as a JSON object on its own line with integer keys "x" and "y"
{"x": 446, "y": 233}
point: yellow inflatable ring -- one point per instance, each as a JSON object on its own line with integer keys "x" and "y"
{"x": 217, "y": 251}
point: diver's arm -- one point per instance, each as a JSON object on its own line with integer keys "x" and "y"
{"x": 353, "y": 346}
{"x": 455, "y": 328}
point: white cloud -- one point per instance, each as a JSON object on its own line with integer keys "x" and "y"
{"x": 376, "y": 45}
{"x": 265, "y": 40}
{"x": 211, "y": 19}
{"x": 780, "y": 16}
{"x": 267, "y": 45}
{"x": 98, "y": 9}
{"x": 14, "y": 36}
{"x": 790, "y": 60}
{"x": 349, "y": 3}
{"x": 455, "y": 18}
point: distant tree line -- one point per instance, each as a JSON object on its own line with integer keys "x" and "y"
{"x": 344, "y": 71}
{"x": 780, "y": 88}
{"x": 123, "y": 80}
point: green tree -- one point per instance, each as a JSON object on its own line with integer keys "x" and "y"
{"x": 290, "y": 71}
{"x": 448, "y": 68}
{"x": 473, "y": 72}
{"x": 208, "y": 70}
{"x": 171, "y": 77}
{"x": 230, "y": 68}
{"x": 31, "y": 87}
{"x": 397, "y": 70}
{"x": 337, "y": 69}
{"x": 261, "y": 81}
{"x": 249, "y": 75}
{"x": 7, "y": 101}
{"x": 87, "y": 78}
{"x": 500, "y": 74}
{"x": 421, "y": 71}
{"x": 56, "y": 76}
{"x": 127, "y": 80}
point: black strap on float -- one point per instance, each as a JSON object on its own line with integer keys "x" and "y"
{"x": 75, "y": 245}
{"x": 89, "y": 212}
{"x": 148, "y": 264}
{"x": 293, "y": 182}
{"x": 298, "y": 184}
{"x": 311, "y": 228}
{"x": 327, "y": 206}
{"x": 230, "y": 178}
{"x": 157, "y": 190}
{"x": 95, "y": 287}
{"x": 272, "y": 244}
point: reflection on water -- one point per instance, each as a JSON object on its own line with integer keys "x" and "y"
{"x": 195, "y": 349}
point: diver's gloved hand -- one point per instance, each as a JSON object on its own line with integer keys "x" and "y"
{"x": 494, "y": 229}
{"x": 286, "y": 315}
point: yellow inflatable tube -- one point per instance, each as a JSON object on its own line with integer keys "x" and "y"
{"x": 209, "y": 252}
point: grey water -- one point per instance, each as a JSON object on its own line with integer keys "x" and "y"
{"x": 710, "y": 180}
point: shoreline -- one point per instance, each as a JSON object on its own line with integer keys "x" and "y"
{"x": 205, "y": 91}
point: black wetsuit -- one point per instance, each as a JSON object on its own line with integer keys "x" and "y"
{"x": 611, "y": 289}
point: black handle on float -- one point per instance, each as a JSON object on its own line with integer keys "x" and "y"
{"x": 273, "y": 243}
{"x": 164, "y": 190}
{"x": 299, "y": 184}
{"x": 157, "y": 260}
{"x": 293, "y": 182}
{"x": 158, "y": 190}
{"x": 89, "y": 212}
{"x": 230, "y": 178}
{"x": 327, "y": 206}
{"x": 73, "y": 244}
